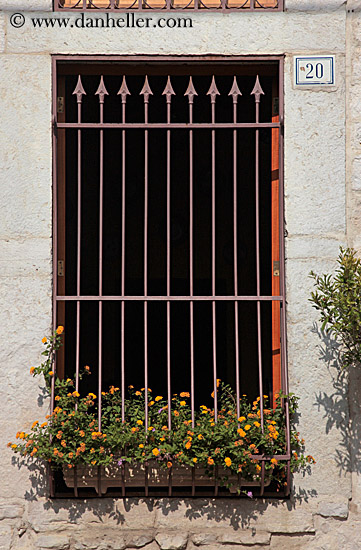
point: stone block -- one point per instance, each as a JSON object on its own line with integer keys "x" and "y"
{"x": 28, "y": 5}
{"x": 333, "y": 509}
{"x": 138, "y": 540}
{"x": 200, "y": 539}
{"x": 5, "y": 537}
{"x": 53, "y": 542}
{"x": 248, "y": 537}
{"x": 10, "y": 511}
{"x": 172, "y": 541}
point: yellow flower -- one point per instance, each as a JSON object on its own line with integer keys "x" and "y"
{"x": 44, "y": 340}
{"x": 247, "y": 427}
{"x": 151, "y": 403}
{"x": 241, "y": 432}
{"x": 138, "y": 393}
{"x": 140, "y": 422}
{"x": 257, "y": 424}
{"x": 32, "y": 370}
{"x": 155, "y": 452}
{"x": 162, "y": 439}
{"x": 210, "y": 461}
{"x": 141, "y": 446}
{"x": 228, "y": 461}
{"x": 182, "y": 403}
{"x": 51, "y": 373}
{"x": 134, "y": 430}
{"x": 92, "y": 395}
{"x": 75, "y": 394}
{"x": 14, "y": 446}
{"x": 200, "y": 436}
{"x": 241, "y": 419}
{"x": 195, "y": 459}
{"x": 158, "y": 398}
{"x": 218, "y": 382}
{"x": 274, "y": 461}
{"x": 258, "y": 468}
{"x": 60, "y": 330}
{"x": 57, "y": 398}
{"x": 150, "y": 428}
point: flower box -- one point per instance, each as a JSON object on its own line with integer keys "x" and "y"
{"x": 131, "y": 476}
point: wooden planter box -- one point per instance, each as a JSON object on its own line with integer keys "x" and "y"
{"x": 131, "y": 476}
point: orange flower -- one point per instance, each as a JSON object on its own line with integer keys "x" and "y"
{"x": 274, "y": 461}
{"x": 44, "y": 424}
{"x": 138, "y": 393}
{"x": 51, "y": 373}
{"x": 195, "y": 459}
{"x": 176, "y": 413}
{"x": 44, "y": 340}
{"x": 140, "y": 422}
{"x": 63, "y": 443}
{"x": 182, "y": 403}
{"x": 169, "y": 464}
{"x": 87, "y": 367}
{"x": 228, "y": 461}
{"x": 81, "y": 433}
{"x": 158, "y": 398}
{"x": 210, "y": 461}
{"x": 70, "y": 455}
{"x": 247, "y": 427}
{"x": 218, "y": 382}
{"x": 75, "y": 394}
{"x": 32, "y": 370}
{"x": 60, "y": 330}
{"x": 241, "y": 419}
{"x": 151, "y": 403}
{"x": 188, "y": 445}
{"x": 155, "y": 452}
{"x": 241, "y": 432}
{"x": 57, "y": 398}
{"x": 141, "y": 446}
{"x": 257, "y": 424}
{"x": 184, "y": 394}
{"x": 34, "y": 424}
{"x": 94, "y": 462}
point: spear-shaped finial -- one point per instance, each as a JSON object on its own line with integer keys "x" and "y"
{"x": 146, "y": 90}
{"x": 123, "y": 90}
{"x": 79, "y": 91}
{"x": 101, "y": 91}
{"x": 168, "y": 91}
{"x": 257, "y": 91}
{"x": 235, "y": 91}
{"x": 213, "y": 91}
{"x": 190, "y": 91}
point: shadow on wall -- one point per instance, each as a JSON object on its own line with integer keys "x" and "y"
{"x": 342, "y": 408}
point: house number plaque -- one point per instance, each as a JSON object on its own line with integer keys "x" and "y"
{"x": 314, "y": 70}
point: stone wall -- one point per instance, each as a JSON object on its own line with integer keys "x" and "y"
{"x": 322, "y": 152}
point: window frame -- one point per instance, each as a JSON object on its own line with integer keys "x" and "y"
{"x": 279, "y": 287}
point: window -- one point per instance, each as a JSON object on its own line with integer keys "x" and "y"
{"x": 169, "y": 263}
{"x": 121, "y": 5}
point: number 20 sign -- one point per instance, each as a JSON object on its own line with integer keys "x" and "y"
{"x": 315, "y": 70}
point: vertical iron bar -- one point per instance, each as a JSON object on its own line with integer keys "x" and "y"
{"x": 258, "y": 92}
{"x": 78, "y": 267}
{"x": 191, "y": 286}
{"x": 235, "y": 92}
{"x": 214, "y": 334}
{"x": 191, "y": 92}
{"x": 168, "y": 92}
{"x": 123, "y": 92}
{"x": 146, "y": 91}
{"x": 168, "y": 269}
{"x": 123, "y": 266}
{"x": 101, "y": 92}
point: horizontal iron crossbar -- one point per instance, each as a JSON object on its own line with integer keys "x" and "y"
{"x": 170, "y": 298}
{"x": 169, "y": 126}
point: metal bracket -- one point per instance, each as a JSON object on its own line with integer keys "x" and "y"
{"x": 276, "y": 269}
{"x": 60, "y": 104}
{"x": 60, "y": 268}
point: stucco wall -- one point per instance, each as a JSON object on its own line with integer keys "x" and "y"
{"x": 322, "y": 212}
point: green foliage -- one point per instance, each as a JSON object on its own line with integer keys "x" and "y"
{"x": 72, "y": 436}
{"x": 338, "y": 299}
